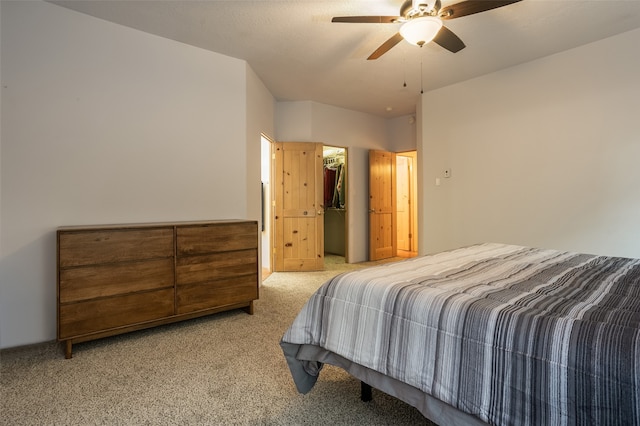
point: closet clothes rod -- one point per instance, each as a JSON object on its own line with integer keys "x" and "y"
{"x": 333, "y": 160}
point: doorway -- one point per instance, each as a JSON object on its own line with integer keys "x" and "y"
{"x": 392, "y": 204}
{"x": 407, "y": 206}
{"x": 333, "y": 207}
{"x": 335, "y": 203}
{"x": 265, "y": 178}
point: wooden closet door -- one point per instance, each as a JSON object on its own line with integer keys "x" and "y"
{"x": 382, "y": 205}
{"x": 299, "y": 209}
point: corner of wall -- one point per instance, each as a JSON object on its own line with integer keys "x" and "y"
{"x": 293, "y": 121}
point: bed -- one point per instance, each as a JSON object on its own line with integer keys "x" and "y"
{"x": 488, "y": 334}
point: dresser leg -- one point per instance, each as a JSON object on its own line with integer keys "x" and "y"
{"x": 67, "y": 349}
{"x": 249, "y": 309}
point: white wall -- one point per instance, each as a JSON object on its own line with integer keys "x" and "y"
{"x": 401, "y": 133}
{"x": 542, "y": 154}
{"x": 356, "y": 131}
{"x": 105, "y": 124}
{"x": 294, "y": 121}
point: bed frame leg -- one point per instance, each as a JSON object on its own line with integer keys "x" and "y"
{"x": 365, "y": 392}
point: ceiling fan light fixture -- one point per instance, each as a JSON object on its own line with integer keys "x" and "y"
{"x": 420, "y": 31}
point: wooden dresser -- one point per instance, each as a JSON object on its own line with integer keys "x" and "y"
{"x": 119, "y": 278}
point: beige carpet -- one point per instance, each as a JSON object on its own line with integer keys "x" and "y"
{"x": 225, "y": 369}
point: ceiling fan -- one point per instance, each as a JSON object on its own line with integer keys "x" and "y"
{"x": 422, "y": 22}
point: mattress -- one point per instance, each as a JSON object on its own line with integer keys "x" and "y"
{"x": 504, "y": 334}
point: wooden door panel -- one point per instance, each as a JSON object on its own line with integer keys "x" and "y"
{"x": 382, "y": 205}
{"x": 297, "y": 242}
{"x": 299, "y": 220}
{"x": 382, "y": 224}
{"x": 299, "y": 178}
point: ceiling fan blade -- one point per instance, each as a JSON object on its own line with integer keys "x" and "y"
{"x": 367, "y": 19}
{"x": 447, "y": 39}
{"x": 469, "y": 7}
{"x": 386, "y": 46}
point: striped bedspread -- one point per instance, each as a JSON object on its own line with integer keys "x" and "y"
{"x": 510, "y": 334}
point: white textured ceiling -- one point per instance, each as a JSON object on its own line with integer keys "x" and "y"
{"x": 300, "y": 55}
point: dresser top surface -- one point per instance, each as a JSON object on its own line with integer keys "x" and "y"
{"x": 153, "y": 225}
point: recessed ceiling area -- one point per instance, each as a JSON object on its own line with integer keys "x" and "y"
{"x": 300, "y": 54}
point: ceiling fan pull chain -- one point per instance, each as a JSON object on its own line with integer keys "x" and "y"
{"x": 421, "y": 86}
{"x": 404, "y": 71}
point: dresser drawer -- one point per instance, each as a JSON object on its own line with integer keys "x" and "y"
{"x": 89, "y": 282}
{"x": 96, "y": 247}
{"x": 216, "y": 238}
{"x": 195, "y": 297}
{"x": 97, "y": 315}
{"x": 204, "y": 268}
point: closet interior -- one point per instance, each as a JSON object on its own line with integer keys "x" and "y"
{"x": 335, "y": 200}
